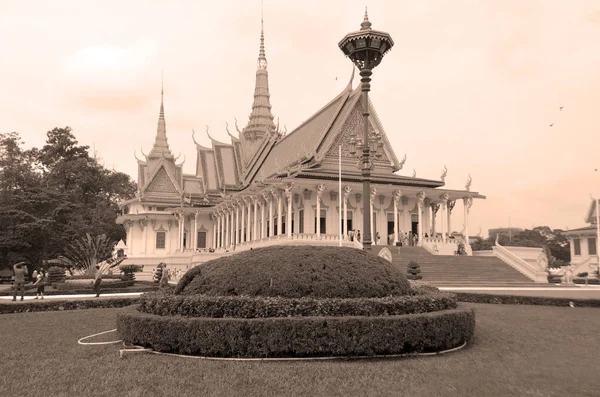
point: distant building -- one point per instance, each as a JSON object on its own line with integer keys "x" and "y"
{"x": 584, "y": 244}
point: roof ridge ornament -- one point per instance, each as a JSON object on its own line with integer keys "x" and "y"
{"x": 414, "y": 172}
{"x": 468, "y": 185}
{"x": 237, "y": 128}
{"x": 193, "y": 138}
{"x": 444, "y": 173}
{"x": 401, "y": 165}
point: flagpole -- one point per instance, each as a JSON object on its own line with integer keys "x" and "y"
{"x": 340, "y": 193}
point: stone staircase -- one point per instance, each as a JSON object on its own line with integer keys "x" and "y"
{"x": 446, "y": 270}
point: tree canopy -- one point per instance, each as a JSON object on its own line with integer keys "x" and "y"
{"x": 553, "y": 241}
{"x": 53, "y": 195}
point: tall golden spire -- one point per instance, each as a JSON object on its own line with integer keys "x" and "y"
{"x": 161, "y": 146}
{"x": 260, "y": 122}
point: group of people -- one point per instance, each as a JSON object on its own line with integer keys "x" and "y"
{"x": 39, "y": 281}
{"x": 21, "y": 272}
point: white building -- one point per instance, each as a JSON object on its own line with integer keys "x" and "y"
{"x": 268, "y": 187}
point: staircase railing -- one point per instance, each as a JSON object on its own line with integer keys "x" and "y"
{"x": 519, "y": 264}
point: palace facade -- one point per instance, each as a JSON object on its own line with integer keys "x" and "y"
{"x": 267, "y": 186}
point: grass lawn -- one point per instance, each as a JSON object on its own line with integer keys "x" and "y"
{"x": 517, "y": 351}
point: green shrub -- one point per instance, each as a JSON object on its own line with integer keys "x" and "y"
{"x": 56, "y": 275}
{"x": 583, "y": 274}
{"x": 421, "y": 287}
{"x": 166, "y": 304}
{"x": 524, "y": 300}
{"x": 157, "y": 274}
{"x": 53, "y": 305}
{"x": 129, "y": 271}
{"x": 297, "y": 271}
{"x": 298, "y": 336}
{"x": 90, "y": 287}
{"x": 413, "y": 271}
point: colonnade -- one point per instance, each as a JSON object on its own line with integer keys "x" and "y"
{"x": 239, "y": 221}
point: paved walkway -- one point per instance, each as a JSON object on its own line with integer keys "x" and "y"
{"x": 81, "y": 296}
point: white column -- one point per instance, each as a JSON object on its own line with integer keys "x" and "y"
{"x": 396, "y": 197}
{"x": 347, "y": 191}
{"x": 243, "y": 224}
{"x": 443, "y": 216}
{"x": 421, "y": 198}
{"x": 270, "y": 231}
{"x": 279, "y": 213}
{"x": 255, "y": 225}
{"x": 195, "y": 236}
{"x": 288, "y": 219}
{"x": 218, "y": 240}
{"x": 129, "y": 225}
{"x": 468, "y": 202}
{"x": 248, "y": 220}
{"x": 233, "y": 232}
{"x": 263, "y": 223}
{"x": 320, "y": 189}
{"x": 226, "y": 234}
{"x": 144, "y": 225}
{"x": 181, "y": 231}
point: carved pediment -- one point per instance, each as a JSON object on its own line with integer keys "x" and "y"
{"x": 161, "y": 183}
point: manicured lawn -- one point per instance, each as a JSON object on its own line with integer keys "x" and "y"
{"x": 517, "y": 351}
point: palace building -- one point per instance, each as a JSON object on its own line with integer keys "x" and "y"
{"x": 269, "y": 187}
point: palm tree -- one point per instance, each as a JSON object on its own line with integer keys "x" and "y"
{"x": 84, "y": 254}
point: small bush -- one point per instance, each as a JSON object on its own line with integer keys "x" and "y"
{"x": 129, "y": 271}
{"x": 166, "y": 304}
{"x": 422, "y": 287}
{"x": 157, "y": 273}
{"x": 413, "y": 271}
{"x": 583, "y": 274}
{"x": 298, "y": 336}
{"x": 56, "y": 274}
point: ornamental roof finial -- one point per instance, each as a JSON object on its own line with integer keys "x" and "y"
{"x": 366, "y": 25}
{"x": 261, "y": 52}
{"x": 161, "y": 115}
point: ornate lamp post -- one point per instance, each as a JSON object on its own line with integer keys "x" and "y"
{"x": 366, "y": 49}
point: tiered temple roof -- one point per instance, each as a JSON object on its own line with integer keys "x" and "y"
{"x": 262, "y": 154}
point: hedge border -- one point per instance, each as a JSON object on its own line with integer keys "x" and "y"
{"x": 524, "y": 300}
{"x": 298, "y": 336}
{"x": 51, "y": 291}
{"x": 165, "y": 304}
{"x": 59, "y": 305}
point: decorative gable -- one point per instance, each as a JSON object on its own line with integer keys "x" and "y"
{"x": 353, "y": 126}
{"x": 161, "y": 183}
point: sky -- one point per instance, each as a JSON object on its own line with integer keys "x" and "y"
{"x": 470, "y": 85}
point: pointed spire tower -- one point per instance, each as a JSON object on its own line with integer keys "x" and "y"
{"x": 260, "y": 122}
{"x": 161, "y": 146}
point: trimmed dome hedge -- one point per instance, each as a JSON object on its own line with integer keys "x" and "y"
{"x": 295, "y": 272}
{"x": 298, "y": 336}
{"x": 297, "y": 301}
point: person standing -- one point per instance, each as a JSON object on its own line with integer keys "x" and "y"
{"x": 164, "y": 278}
{"x": 97, "y": 281}
{"x": 39, "y": 283}
{"x": 20, "y": 273}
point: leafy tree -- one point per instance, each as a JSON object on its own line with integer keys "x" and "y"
{"x": 554, "y": 243}
{"x": 51, "y": 196}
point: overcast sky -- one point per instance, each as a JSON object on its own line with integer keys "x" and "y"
{"x": 473, "y": 85}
